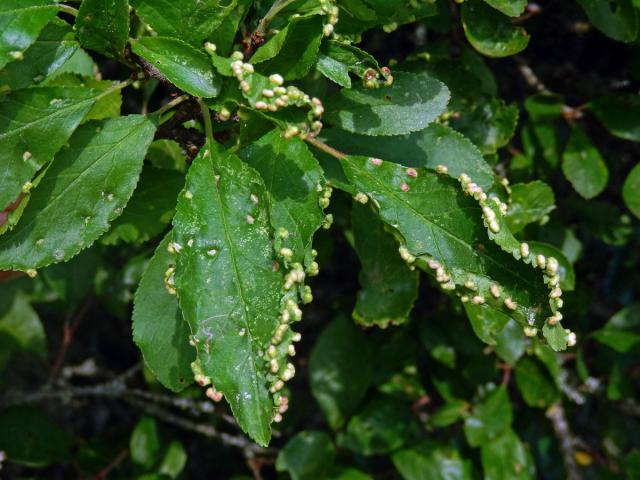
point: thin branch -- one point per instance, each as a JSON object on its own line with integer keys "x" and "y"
{"x": 277, "y": 6}
{"x": 69, "y": 331}
{"x": 249, "y": 448}
{"x": 206, "y": 117}
{"x": 556, "y": 414}
{"x": 103, "y": 474}
{"x": 67, "y": 9}
{"x": 325, "y": 148}
{"x": 530, "y": 76}
{"x": 173, "y": 103}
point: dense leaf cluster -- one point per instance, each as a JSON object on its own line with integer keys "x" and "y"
{"x": 349, "y": 239}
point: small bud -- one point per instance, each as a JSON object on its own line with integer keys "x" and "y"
{"x": 571, "y": 338}
{"x": 31, "y": 273}
{"x": 262, "y": 105}
{"x": 361, "y": 198}
{"x": 286, "y": 253}
{"x": 555, "y": 318}
{"x": 530, "y": 331}
{"x": 555, "y": 293}
{"x": 478, "y": 300}
{"x": 273, "y": 365}
{"x": 494, "y": 226}
{"x": 276, "y": 79}
{"x": 224, "y": 114}
{"x": 442, "y": 169}
{"x": 495, "y": 290}
{"x": 213, "y": 394}
{"x": 327, "y": 30}
{"x": 510, "y": 304}
{"x": 552, "y": 265}
{"x": 210, "y": 47}
{"x": 524, "y": 250}
{"x": 244, "y": 86}
{"x": 541, "y": 260}
{"x": 291, "y": 350}
{"x": 267, "y": 93}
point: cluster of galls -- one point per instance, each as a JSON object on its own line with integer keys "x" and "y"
{"x": 282, "y": 341}
{"x": 371, "y": 78}
{"x": 274, "y": 96}
{"x": 204, "y": 381}
{"x": 549, "y": 265}
{"x": 331, "y": 11}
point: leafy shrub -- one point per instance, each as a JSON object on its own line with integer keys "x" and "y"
{"x": 179, "y": 172}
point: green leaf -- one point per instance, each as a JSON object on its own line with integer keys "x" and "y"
{"x": 347, "y": 474}
{"x": 85, "y": 188}
{"x": 150, "y": 209}
{"x": 293, "y": 50}
{"x": 510, "y": 343}
{"x": 224, "y": 235}
{"x": 20, "y": 23}
{"x": 620, "y": 114}
{"x": 556, "y": 335}
{"x": 336, "y": 60}
{"x": 294, "y": 182}
{"x": 448, "y": 414}
{"x": 617, "y": 19}
{"x": 505, "y": 458}
{"x": 184, "y": 66}
{"x": 622, "y": 331}
{"x": 29, "y": 437}
{"x": 34, "y": 124}
{"x": 630, "y": 191}
{"x": 387, "y": 287}
{"x": 104, "y": 26}
{"x": 583, "y": 165}
{"x": 307, "y": 456}
{"x": 435, "y": 145}
{"x": 535, "y": 385}
{"x": 490, "y": 32}
{"x": 158, "y": 327}
{"x": 21, "y": 324}
{"x": 487, "y": 323}
{"x": 513, "y": 8}
{"x": 433, "y": 461}
{"x": 436, "y": 222}
{"x": 489, "y": 124}
{"x": 340, "y": 370}
{"x": 530, "y": 203}
{"x": 107, "y": 103}
{"x": 55, "y": 46}
{"x": 489, "y": 419}
{"x": 167, "y": 154}
{"x": 174, "y": 461}
{"x": 410, "y": 104}
{"x": 383, "y": 425}
{"x": 144, "y": 444}
{"x": 72, "y": 280}
{"x": 193, "y": 21}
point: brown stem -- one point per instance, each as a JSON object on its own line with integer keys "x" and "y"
{"x": 325, "y": 148}
{"x": 102, "y": 474}
{"x": 556, "y": 414}
{"x": 69, "y": 329}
